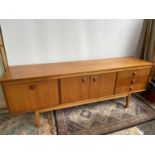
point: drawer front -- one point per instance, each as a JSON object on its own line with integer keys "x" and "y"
{"x": 29, "y": 96}
{"x": 102, "y": 85}
{"x": 132, "y": 80}
{"x": 74, "y": 89}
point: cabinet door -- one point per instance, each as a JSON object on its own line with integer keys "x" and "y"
{"x": 74, "y": 89}
{"x": 29, "y": 96}
{"x": 47, "y": 92}
{"x": 132, "y": 80}
{"x": 102, "y": 85}
{"x": 20, "y": 97}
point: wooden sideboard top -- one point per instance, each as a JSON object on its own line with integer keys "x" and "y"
{"x": 69, "y": 68}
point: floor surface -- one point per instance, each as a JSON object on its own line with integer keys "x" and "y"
{"x": 147, "y": 128}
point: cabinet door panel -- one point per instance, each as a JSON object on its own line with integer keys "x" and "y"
{"x": 30, "y": 96}
{"x": 132, "y": 80}
{"x": 74, "y": 89}
{"x": 102, "y": 85}
{"x": 20, "y": 97}
{"x": 47, "y": 92}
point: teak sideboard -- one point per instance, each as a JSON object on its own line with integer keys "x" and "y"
{"x": 45, "y": 87}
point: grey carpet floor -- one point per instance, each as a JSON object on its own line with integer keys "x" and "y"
{"x": 147, "y": 128}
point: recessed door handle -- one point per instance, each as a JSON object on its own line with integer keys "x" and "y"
{"x": 32, "y": 87}
{"x": 84, "y": 79}
{"x": 95, "y": 78}
{"x": 131, "y": 88}
{"x": 134, "y": 73}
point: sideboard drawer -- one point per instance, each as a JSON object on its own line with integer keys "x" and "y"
{"x": 29, "y": 96}
{"x": 132, "y": 80}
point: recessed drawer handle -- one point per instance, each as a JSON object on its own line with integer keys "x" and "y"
{"x": 134, "y": 73}
{"x": 131, "y": 88}
{"x": 132, "y": 81}
{"x": 32, "y": 87}
{"x": 95, "y": 78}
{"x": 84, "y": 80}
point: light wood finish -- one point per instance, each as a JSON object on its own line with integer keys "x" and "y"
{"x": 19, "y": 97}
{"x": 89, "y": 101}
{"x": 3, "y": 52}
{"x": 74, "y": 89}
{"x": 128, "y": 98}
{"x": 54, "y": 86}
{"x": 67, "y": 69}
{"x": 37, "y": 113}
{"x": 102, "y": 85}
{"x": 85, "y": 87}
{"x": 131, "y": 80}
{"x": 47, "y": 92}
{"x": 30, "y": 96}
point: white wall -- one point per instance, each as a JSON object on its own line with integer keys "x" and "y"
{"x": 44, "y": 41}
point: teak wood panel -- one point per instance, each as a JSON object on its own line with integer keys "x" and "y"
{"x": 29, "y": 96}
{"x": 20, "y": 98}
{"x": 74, "y": 89}
{"x": 48, "y": 93}
{"x": 70, "y": 68}
{"x": 36, "y": 87}
{"x": 132, "y": 80}
{"x": 102, "y": 85}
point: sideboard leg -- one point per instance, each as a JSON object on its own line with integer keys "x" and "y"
{"x": 128, "y": 100}
{"x": 37, "y": 113}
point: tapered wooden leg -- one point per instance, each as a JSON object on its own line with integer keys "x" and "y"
{"x": 37, "y": 113}
{"x": 128, "y": 98}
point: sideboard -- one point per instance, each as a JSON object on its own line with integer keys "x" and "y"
{"x": 45, "y": 87}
